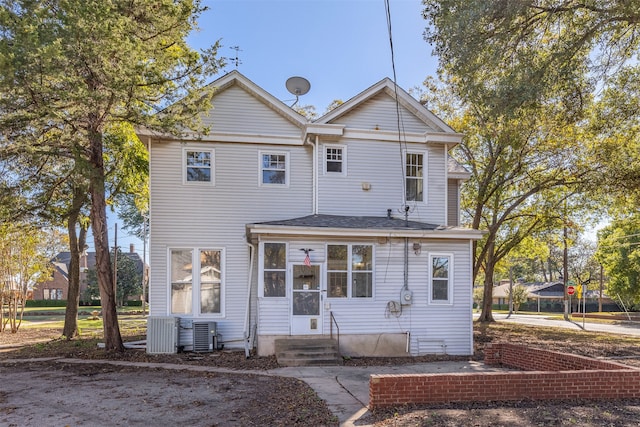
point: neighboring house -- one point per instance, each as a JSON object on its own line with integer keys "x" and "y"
{"x": 549, "y": 297}
{"x": 304, "y": 229}
{"x": 57, "y": 287}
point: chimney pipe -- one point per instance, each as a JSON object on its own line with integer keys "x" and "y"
{"x": 132, "y": 248}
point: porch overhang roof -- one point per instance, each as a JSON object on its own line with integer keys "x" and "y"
{"x": 358, "y": 226}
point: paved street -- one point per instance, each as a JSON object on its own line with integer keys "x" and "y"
{"x": 625, "y": 328}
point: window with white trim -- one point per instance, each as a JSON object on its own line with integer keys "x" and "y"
{"x": 199, "y": 293}
{"x": 414, "y": 177}
{"x": 274, "y": 168}
{"x": 275, "y": 270}
{"x": 335, "y": 157}
{"x": 440, "y": 278}
{"x": 350, "y": 271}
{"x": 198, "y": 166}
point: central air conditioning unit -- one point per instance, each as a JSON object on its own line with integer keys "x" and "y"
{"x": 163, "y": 335}
{"x": 205, "y": 336}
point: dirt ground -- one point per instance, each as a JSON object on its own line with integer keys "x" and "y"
{"x": 149, "y": 396}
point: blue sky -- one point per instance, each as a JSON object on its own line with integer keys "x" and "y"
{"x": 340, "y": 46}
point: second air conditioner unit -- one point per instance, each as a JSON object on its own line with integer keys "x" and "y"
{"x": 205, "y": 336}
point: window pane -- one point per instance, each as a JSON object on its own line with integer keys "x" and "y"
{"x": 198, "y": 174}
{"x": 181, "y": 281}
{"x": 306, "y": 303}
{"x": 362, "y": 285}
{"x": 440, "y": 290}
{"x": 440, "y": 267}
{"x": 199, "y": 166}
{"x": 274, "y": 284}
{"x": 273, "y": 177}
{"x": 181, "y": 298}
{"x": 337, "y": 257}
{"x": 414, "y": 177}
{"x": 334, "y": 159}
{"x": 210, "y": 281}
{"x": 334, "y": 166}
{"x": 337, "y": 284}
{"x": 275, "y": 256}
{"x": 210, "y": 297}
{"x": 361, "y": 257}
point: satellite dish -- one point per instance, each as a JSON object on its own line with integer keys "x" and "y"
{"x": 297, "y": 86}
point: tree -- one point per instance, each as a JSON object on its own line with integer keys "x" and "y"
{"x": 619, "y": 253}
{"x": 73, "y": 70}
{"x": 129, "y": 280}
{"x": 511, "y": 54}
{"x": 25, "y": 254}
{"x": 518, "y": 295}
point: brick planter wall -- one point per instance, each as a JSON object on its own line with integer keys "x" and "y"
{"x": 599, "y": 380}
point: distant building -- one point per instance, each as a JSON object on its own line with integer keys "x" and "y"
{"x": 57, "y": 287}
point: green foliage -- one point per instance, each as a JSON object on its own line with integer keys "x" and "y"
{"x": 129, "y": 283}
{"x": 511, "y": 54}
{"x": 619, "y": 253}
{"x": 519, "y": 296}
{"x": 46, "y": 303}
{"x": 77, "y": 76}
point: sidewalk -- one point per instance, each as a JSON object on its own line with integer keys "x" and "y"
{"x": 346, "y": 389}
{"x": 620, "y": 327}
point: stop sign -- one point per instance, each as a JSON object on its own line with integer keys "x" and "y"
{"x": 570, "y": 290}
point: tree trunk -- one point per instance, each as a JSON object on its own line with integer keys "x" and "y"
{"x": 487, "y": 301}
{"x": 112, "y": 337}
{"x": 76, "y": 246}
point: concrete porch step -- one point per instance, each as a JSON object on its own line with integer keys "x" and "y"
{"x": 307, "y": 352}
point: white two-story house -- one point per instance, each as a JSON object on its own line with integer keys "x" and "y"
{"x": 300, "y": 228}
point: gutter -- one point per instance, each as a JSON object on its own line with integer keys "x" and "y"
{"x": 247, "y": 314}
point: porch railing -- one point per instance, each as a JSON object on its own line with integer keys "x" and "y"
{"x": 334, "y": 321}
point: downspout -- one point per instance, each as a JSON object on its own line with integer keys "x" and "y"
{"x": 315, "y": 176}
{"x": 314, "y": 171}
{"x": 247, "y": 315}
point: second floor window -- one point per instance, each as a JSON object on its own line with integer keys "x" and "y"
{"x": 334, "y": 160}
{"x": 198, "y": 166}
{"x": 414, "y": 166}
{"x": 273, "y": 168}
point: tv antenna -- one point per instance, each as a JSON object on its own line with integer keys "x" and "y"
{"x": 297, "y": 86}
{"x": 236, "y": 59}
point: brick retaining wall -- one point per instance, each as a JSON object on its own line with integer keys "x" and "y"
{"x": 556, "y": 376}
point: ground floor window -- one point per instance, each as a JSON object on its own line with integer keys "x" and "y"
{"x": 440, "y": 278}
{"x": 350, "y": 271}
{"x": 275, "y": 270}
{"x": 202, "y": 290}
{"x": 52, "y": 294}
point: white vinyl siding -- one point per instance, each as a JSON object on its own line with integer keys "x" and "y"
{"x": 381, "y": 165}
{"x": 453, "y": 202}
{"x": 379, "y": 113}
{"x": 192, "y": 216}
{"x": 236, "y": 111}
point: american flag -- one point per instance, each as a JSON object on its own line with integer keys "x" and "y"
{"x": 307, "y": 260}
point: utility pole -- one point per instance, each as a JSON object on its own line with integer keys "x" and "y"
{"x": 144, "y": 265}
{"x": 565, "y": 271}
{"x": 115, "y": 266}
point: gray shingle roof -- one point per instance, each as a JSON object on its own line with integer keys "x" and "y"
{"x": 354, "y": 222}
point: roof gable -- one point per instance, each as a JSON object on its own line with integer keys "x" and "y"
{"x": 235, "y": 79}
{"x": 387, "y": 89}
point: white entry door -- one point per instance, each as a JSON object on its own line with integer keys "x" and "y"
{"x": 306, "y": 300}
